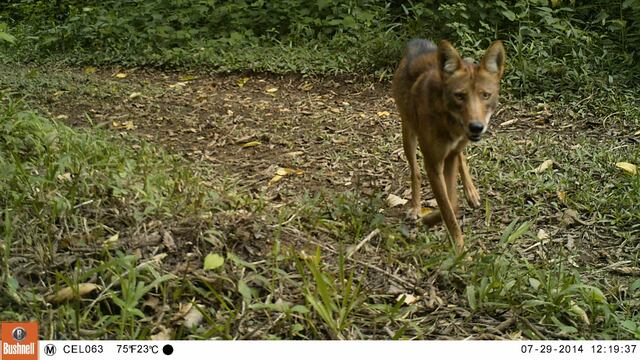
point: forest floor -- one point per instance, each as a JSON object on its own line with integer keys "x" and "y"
{"x": 314, "y": 249}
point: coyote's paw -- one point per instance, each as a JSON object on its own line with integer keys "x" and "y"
{"x": 413, "y": 213}
{"x": 473, "y": 197}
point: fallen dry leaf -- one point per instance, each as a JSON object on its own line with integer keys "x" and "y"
{"x": 64, "y": 177}
{"x": 282, "y": 172}
{"x": 121, "y": 75}
{"x": 251, "y": 144}
{"x": 424, "y": 212}
{"x": 193, "y": 318}
{"x": 152, "y": 302}
{"x": 135, "y": 95}
{"x": 561, "y": 195}
{"x": 275, "y": 179}
{"x": 163, "y": 334}
{"x": 112, "y": 239}
{"x": 580, "y": 312}
{"x": 183, "y": 310}
{"x": 508, "y": 122}
{"x": 188, "y": 77}
{"x": 167, "y": 240}
{"x": 627, "y": 270}
{"x": 569, "y": 217}
{"x": 383, "y": 113}
{"x": 394, "y": 200}
{"x": 628, "y": 167}
{"x": 178, "y": 86}
{"x": 547, "y": 164}
{"x": 271, "y": 90}
{"x": 542, "y": 235}
{"x": 408, "y": 298}
{"x": 288, "y": 171}
{"x": 242, "y": 81}
{"x": 126, "y": 125}
{"x": 68, "y": 293}
{"x": 295, "y": 153}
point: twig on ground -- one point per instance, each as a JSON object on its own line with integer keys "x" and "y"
{"x": 362, "y": 242}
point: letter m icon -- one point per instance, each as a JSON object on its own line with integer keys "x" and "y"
{"x": 49, "y": 349}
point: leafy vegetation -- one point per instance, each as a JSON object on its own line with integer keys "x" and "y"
{"x": 582, "y": 46}
{"x": 143, "y": 204}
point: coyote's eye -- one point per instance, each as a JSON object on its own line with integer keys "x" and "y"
{"x": 460, "y": 96}
{"x": 486, "y": 95}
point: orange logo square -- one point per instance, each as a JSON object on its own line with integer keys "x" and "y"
{"x": 19, "y": 340}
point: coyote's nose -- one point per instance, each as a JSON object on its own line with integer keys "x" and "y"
{"x": 476, "y": 128}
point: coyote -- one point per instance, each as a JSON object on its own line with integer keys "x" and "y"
{"x": 445, "y": 101}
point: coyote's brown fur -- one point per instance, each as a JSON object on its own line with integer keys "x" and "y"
{"x": 445, "y": 101}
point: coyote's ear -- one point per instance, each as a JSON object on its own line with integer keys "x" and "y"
{"x": 448, "y": 58}
{"x": 493, "y": 59}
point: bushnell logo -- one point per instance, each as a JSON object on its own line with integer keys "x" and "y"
{"x": 19, "y": 340}
{"x": 19, "y": 334}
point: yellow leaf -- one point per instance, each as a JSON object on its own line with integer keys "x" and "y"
{"x": 287, "y": 171}
{"x": 636, "y": 133}
{"x": 580, "y": 312}
{"x": 135, "y": 95}
{"x": 561, "y": 195}
{"x": 128, "y": 125}
{"x": 544, "y": 166}
{"x": 112, "y": 239}
{"x": 121, "y": 75}
{"x": 394, "y": 200}
{"x": 188, "y": 78}
{"x": 295, "y": 153}
{"x": 282, "y": 172}
{"x": 242, "y": 81}
{"x": 213, "y": 261}
{"x": 424, "y": 212}
{"x": 383, "y": 113}
{"x": 64, "y": 177}
{"x": 178, "y": 86}
{"x": 89, "y": 70}
{"x": 68, "y": 293}
{"x": 628, "y": 167}
{"x": 272, "y": 89}
{"x": 275, "y": 179}
{"x": 251, "y": 144}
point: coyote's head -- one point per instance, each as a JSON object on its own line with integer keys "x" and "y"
{"x": 470, "y": 91}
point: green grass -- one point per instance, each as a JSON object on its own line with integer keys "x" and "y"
{"x": 65, "y": 191}
{"x": 125, "y": 226}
